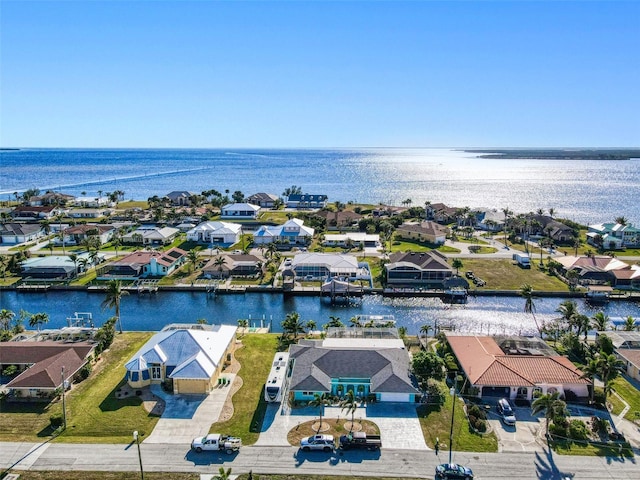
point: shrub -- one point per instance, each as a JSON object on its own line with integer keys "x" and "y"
{"x": 598, "y": 396}
{"x": 480, "y": 425}
{"x": 558, "y": 430}
{"x": 435, "y": 393}
{"x": 56, "y": 420}
{"x": 578, "y": 430}
{"x": 477, "y": 412}
{"x": 10, "y": 370}
{"x": 85, "y": 371}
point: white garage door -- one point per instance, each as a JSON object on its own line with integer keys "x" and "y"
{"x": 395, "y": 397}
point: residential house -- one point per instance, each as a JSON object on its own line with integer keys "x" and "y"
{"x": 428, "y": 231}
{"x": 41, "y": 365}
{"x": 627, "y": 348}
{"x": 343, "y": 219}
{"x": 613, "y": 236}
{"x": 240, "y": 211}
{"x": 15, "y": 233}
{"x": 489, "y": 219}
{"x": 180, "y": 198}
{"x": 218, "y": 233}
{"x": 424, "y": 269}
{"x": 546, "y": 226}
{"x": 594, "y": 269}
{"x": 263, "y": 200}
{"x": 441, "y": 213}
{"x": 291, "y": 233}
{"x": 27, "y": 212}
{"x": 51, "y": 267}
{"x": 190, "y": 358}
{"x": 352, "y": 239}
{"x": 77, "y": 234}
{"x": 89, "y": 212}
{"x": 150, "y": 235}
{"x": 143, "y": 264}
{"x": 317, "y": 266}
{"x": 523, "y": 368}
{"x": 388, "y": 211}
{"x": 372, "y": 368}
{"x": 51, "y": 198}
{"x": 306, "y": 200}
{"x": 93, "y": 202}
{"x": 626, "y": 278}
{"x": 235, "y": 265}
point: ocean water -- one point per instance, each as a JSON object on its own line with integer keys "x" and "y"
{"x": 586, "y": 191}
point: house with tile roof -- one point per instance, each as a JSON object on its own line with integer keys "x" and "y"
{"x": 417, "y": 269}
{"x": 352, "y": 239}
{"x": 151, "y": 235}
{"x": 593, "y": 269}
{"x": 428, "y": 231}
{"x": 340, "y": 220}
{"x": 143, "y": 264}
{"x": 522, "y": 371}
{"x": 188, "y": 357}
{"x": 217, "y": 233}
{"x": 292, "y": 233}
{"x": 240, "y": 211}
{"x": 15, "y": 233}
{"x": 264, "y": 200}
{"x": 77, "y": 234}
{"x": 40, "y": 365}
{"x": 370, "y": 367}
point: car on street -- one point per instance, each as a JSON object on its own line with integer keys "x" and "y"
{"x": 325, "y": 443}
{"x": 506, "y": 412}
{"x": 453, "y": 471}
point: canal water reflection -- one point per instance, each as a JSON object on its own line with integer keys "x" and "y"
{"x": 494, "y": 315}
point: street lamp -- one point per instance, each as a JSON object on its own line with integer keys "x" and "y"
{"x": 136, "y": 439}
{"x": 452, "y": 392}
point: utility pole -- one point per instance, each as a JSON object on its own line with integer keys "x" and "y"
{"x": 137, "y": 439}
{"x": 64, "y": 405}
{"x": 453, "y": 412}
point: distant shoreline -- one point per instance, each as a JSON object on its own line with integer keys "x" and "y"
{"x": 557, "y": 154}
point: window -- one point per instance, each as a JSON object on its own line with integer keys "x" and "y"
{"x": 156, "y": 373}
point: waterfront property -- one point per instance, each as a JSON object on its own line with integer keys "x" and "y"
{"x": 189, "y": 358}
{"x": 600, "y": 270}
{"x": 233, "y": 265}
{"x": 26, "y": 212}
{"x": 40, "y": 365}
{"x": 89, "y": 212}
{"x": 240, "y": 211}
{"x": 352, "y": 239}
{"x": 613, "y": 236}
{"x": 315, "y": 266}
{"x": 306, "y": 200}
{"x": 54, "y": 267}
{"x": 488, "y": 219}
{"x": 263, "y": 200}
{"x": 627, "y": 348}
{"x": 77, "y": 234}
{"x": 93, "y": 202}
{"x": 291, "y": 233}
{"x": 180, "y": 198}
{"x": 373, "y": 363}
{"x": 216, "y": 233}
{"x": 425, "y": 269}
{"x": 15, "y": 233}
{"x": 143, "y": 264}
{"x": 343, "y": 219}
{"x": 151, "y": 235}
{"x": 51, "y": 198}
{"x": 519, "y": 368}
{"x": 428, "y": 231}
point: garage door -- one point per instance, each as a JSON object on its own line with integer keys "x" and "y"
{"x": 495, "y": 392}
{"x": 395, "y": 397}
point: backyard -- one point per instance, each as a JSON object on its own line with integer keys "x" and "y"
{"x": 503, "y": 274}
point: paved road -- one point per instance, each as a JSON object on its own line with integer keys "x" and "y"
{"x": 283, "y": 460}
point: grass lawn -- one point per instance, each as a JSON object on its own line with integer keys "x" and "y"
{"x": 6, "y": 281}
{"x": 616, "y": 405}
{"x": 631, "y": 396}
{"x": 275, "y": 216}
{"x": 336, "y": 428}
{"x": 93, "y": 413}
{"x": 502, "y": 274}
{"x": 591, "y": 450}
{"x": 71, "y": 475}
{"x": 404, "y": 245}
{"x": 483, "y": 250}
{"x": 255, "y": 358}
{"x": 435, "y": 421}
{"x": 85, "y": 279}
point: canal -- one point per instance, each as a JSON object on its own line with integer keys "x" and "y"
{"x": 150, "y": 312}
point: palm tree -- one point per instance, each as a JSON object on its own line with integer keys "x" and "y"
{"x": 293, "y": 325}
{"x": 38, "y": 319}
{"x": 568, "y": 310}
{"x": 219, "y": 262}
{"x": 355, "y": 321}
{"x": 223, "y": 474}
{"x": 192, "y": 258}
{"x": 6, "y": 316}
{"x": 600, "y": 321}
{"x": 526, "y": 291}
{"x": 457, "y": 264}
{"x": 609, "y": 370}
{"x": 550, "y": 404}
{"x": 507, "y": 214}
{"x": 350, "y": 404}
{"x": 629, "y": 324}
{"x": 311, "y": 325}
{"x": 621, "y": 220}
{"x": 425, "y": 330}
{"x": 590, "y": 371}
{"x": 320, "y": 401}
{"x": 113, "y": 296}
{"x": 334, "y": 322}
{"x": 582, "y": 323}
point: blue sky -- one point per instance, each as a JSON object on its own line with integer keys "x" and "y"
{"x": 319, "y": 74}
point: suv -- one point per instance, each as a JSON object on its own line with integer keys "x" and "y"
{"x": 326, "y": 443}
{"x": 506, "y": 412}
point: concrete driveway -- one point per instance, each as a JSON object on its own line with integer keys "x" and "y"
{"x": 398, "y": 423}
{"x": 523, "y": 437}
{"x": 186, "y": 417}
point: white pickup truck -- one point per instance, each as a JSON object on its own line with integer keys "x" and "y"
{"x": 217, "y": 442}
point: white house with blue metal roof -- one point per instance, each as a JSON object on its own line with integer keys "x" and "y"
{"x": 293, "y": 232}
{"x": 190, "y": 357}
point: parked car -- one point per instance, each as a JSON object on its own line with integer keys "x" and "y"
{"x": 453, "y": 471}
{"x": 469, "y": 275}
{"x": 506, "y": 412}
{"x": 326, "y": 443}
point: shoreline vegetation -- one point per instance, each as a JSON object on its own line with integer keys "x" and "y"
{"x": 557, "y": 154}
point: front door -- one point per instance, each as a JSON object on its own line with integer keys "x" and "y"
{"x": 156, "y": 373}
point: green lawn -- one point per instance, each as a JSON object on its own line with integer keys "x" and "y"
{"x": 591, "y": 450}
{"x": 630, "y": 394}
{"x": 436, "y": 423}
{"x": 405, "y": 245}
{"x": 255, "y": 358}
{"x": 503, "y": 274}
{"x": 93, "y": 413}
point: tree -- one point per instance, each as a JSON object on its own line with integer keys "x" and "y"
{"x": 320, "y": 401}
{"x": 590, "y": 371}
{"x": 526, "y": 291}
{"x": 507, "y": 213}
{"x": 113, "y": 297}
{"x": 192, "y": 258}
{"x": 549, "y": 404}
{"x": 600, "y": 321}
{"x": 425, "y": 330}
{"x": 293, "y": 325}
{"x": 6, "y": 316}
{"x": 223, "y": 474}
{"x": 457, "y": 264}
{"x": 105, "y": 334}
{"x": 334, "y": 322}
{"x": 609, "y": 370}
{"x": 311, "y": 325}
{"x": 629, "y": 324}
{"x": 219, "y": 262}
{"x": 621, "y": 220}
{"x": 350, "y": 404}
{"x": 568, "y": 310}
{"x": 243, "y": 323}
{"x": 428, "y": 365}
{"x": 38, "y": 319}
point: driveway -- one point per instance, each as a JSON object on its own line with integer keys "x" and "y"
{"x": 186, "y": 417}
{"x": 398, "y": 423}
{"x": 523, "y": 437}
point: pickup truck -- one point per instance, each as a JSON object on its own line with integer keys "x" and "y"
{"x": 360, "y": 440}
{"x": 216, "y": 442}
